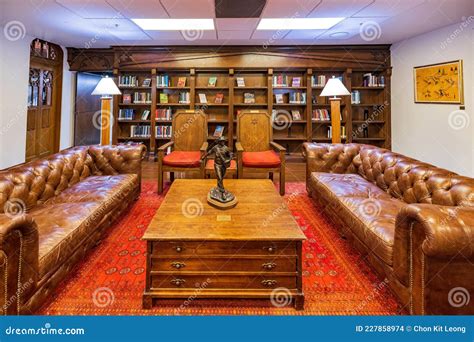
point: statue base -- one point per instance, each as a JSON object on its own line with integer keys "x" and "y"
{"x": 221, "y": 201}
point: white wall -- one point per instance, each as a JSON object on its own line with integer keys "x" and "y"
{"x": 14, "y": 70}
{"x": 427, "y": 131}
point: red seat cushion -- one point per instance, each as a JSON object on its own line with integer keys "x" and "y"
{"x": 183, "y": 159}
{"x": 210, "y": 165}
{"x": 262, "y": 159}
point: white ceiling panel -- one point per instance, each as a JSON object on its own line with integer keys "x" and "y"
{"x": 269, "y": 35}
{"x": 236, "y": 24}
{"x": 289, "y": 9}
{"x": 189, "y": 8}
{"x": 229, "y": 35}
{"x": 139, "y": 8}
{"x": 381, "y": 8}
{"x": 165, "y": 35}
{"x": 116, "y": 25}
{"x": 369, "y": 29}
{"x": 90, "y": 9}
{"x": 304, "y": 34}
{"x": 131, "y": 35}
{"x": 339, "y": 8}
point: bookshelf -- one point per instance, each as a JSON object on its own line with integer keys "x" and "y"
{"x": 291, "y": 96}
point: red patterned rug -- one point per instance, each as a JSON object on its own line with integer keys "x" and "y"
{"x": 111, "y": 280}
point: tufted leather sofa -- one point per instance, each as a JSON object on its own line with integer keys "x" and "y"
{"x": 52, "y": 211}
{"x": 414, "y": 222}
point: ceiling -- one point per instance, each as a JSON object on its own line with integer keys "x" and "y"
{"x": 102, "y": 23}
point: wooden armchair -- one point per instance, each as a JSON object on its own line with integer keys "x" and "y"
{"x": 256, "y": 152}
{"x": 188, "y": 144}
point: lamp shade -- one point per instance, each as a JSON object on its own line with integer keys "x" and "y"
{"x": 106, "y": 86}
{"x": 334, "y": 87}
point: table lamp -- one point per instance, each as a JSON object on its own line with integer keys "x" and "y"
{"x": 106, "y": 88}
{"x": 335, "y": 88}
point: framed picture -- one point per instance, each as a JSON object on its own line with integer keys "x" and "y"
{"x": 439, "y": 83}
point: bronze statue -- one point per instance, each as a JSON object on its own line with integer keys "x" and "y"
{"x": 222, "y": 158}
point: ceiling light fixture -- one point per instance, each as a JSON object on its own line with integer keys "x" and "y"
{"x": 174, "y": 24}
{"x": 297, "y": 23}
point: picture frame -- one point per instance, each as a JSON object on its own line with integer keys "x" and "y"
{"x": 439, "y": 83}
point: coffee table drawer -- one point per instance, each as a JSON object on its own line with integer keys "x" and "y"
{"x": 216, "y": 281}
{"x": 164, "y": 248}
{"x": 231, "y": 264}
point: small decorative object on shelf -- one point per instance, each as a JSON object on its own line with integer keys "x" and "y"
{"x": 212, "y": 81}
{"x": 218, "y": 196}
{"x": 240, "y": 82}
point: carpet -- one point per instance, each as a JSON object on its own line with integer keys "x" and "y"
{"x": 110, "y": 281}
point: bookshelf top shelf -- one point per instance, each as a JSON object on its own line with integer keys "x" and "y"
{"x": 174, "y": 88}
{"x": 368, "y": 88}
{"x": 288, "y": 88}
{"x": 212, "y": 88}
{"x": 134, "y": 88}
{"x": 250, "y": 88}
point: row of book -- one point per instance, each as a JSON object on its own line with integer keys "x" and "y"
{"x": 163, "y": 131}
{"x": 283, "y": 81}
{"x": 293, "y": 98}
{"x": 128, "y": 81}
{"x": 318, "y": 80}
{"x": 219, "y": 97}
{"x": 369, "y": 80}
{"x": 343, "y": 132}
{"x": 184, "y": 97}
{"x": 321, "y": 115}
{"x": 140, "y": 131}
{"x": 163, "y": 114}
{"x": 138, "y": 98}
{"x": 355, "y": 97}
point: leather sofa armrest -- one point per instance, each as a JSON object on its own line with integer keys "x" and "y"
{"x": 434, "y": 256}
{"x": 118, "y": 159}
{"x": 448, "y": 232}
{"x": 330, "y": 158}
{"x": 19, "y": 253}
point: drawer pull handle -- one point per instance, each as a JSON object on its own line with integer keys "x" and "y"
{"x": 269, "y": 266}
{"x": 270, "y": 249}
{"x": 179, "y": 249}
{"x": 178, "y": 265}
{"x": 269, "y": 282}
{"x": 178, "y": 282}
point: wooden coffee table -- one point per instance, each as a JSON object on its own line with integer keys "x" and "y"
{"x": 197, "y": 251}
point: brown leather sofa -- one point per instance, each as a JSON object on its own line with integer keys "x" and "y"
{"x": 53, "y": 211}
{"x": 414, "y": 222}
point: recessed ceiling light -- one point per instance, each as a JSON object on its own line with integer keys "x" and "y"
{"x": 174, "y": 24}
{"x": 339, "y": 34}
{"x": 297, "y": 23}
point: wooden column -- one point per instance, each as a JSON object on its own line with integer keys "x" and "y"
{"x": 105, "y": 120}
{"x": 336, "y": 119}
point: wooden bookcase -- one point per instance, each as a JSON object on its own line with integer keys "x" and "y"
{"x": 365, "y": 122}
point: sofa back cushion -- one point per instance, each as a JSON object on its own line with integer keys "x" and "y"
{"x": 413, "y": 181}
{"x": 34, "y": 183}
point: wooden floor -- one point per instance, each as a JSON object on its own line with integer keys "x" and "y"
{"x": 295, "y": 172}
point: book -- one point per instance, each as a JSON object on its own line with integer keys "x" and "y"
{"x": 162, "y": 81}
{"x": 296, "y": 82}
{"x": 127, "y": 98}
{"x": 240, "y": 82}
{"x": 184, "y": 97}
{"x": 146, "y": 114}
{"x": 163, "y": 98}
{"x": 296, "y": 115}
{"x": 202, "y": 98}
{"x": 182, "y": 82}
{"x": 37, "y": 47}
{"x": 219, "y": 98}
{"x": 211, "y": 82}
{"x": 163, "y": 114}
{"x": 249, "y": 98}
{"x": 219, "y": 131}
{"x": 146, "y": 82}
{"x": 279, "y": 98}
{"x": 355, "y": 97}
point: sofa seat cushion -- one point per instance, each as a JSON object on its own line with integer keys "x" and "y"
{"x": 263, "y": 159}
{"x": 347, "y": 185}
{"x": 372, "y": 220}
{"x": 183, "y": 159}
{"x": 98, "y": 188}
{"x": 61, "y": 228}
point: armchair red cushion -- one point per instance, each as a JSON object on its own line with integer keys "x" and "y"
{"x": 183, "y": 159}
{"x": 264, "y": 159}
